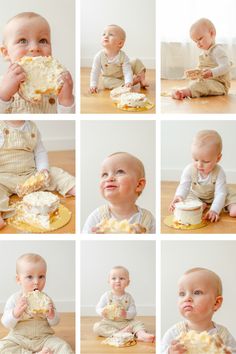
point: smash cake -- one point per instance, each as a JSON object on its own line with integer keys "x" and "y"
{"x": 200, "y": 343}
{"x": 113, "y": 311}
{"x": 116, "y": 93}
{"x": 112, "y": 226}
{"x": 42, "y": 74}
{"x": 32, "y": 184}
{"x": 38, "y": 302}
{"x": 193, "y": 74}
{"x": 188, "y": 212}
{"x": 133, "y": 100}
{"x": 120, "y": 339}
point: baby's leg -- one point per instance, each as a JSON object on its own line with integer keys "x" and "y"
{"x": 180, "y": 94}
{"x": 144, "y": 336}
{"x": 57, "y": 346}
{"x": 71, "y": 191}
{"x": 232, "y": 210}
{"x": 2, "y": 222}
{"x": 140, "y": 79}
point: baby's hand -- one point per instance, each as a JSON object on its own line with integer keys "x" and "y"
{"x": 206, "y": 73}
{"x": 123, "y": 313}
{"x": 65, "y": 97}
{"x": 212, "y": 216}
{"x": 11, "y": 81}
{"x": 129, "y": 84}
{"x": 51, "y": 311}
{"x": 175, "y": 200}
{"x": 21, "y": 306}
{"x": 176, "y": 348}
{"x": 105, "y": 313}
{"x": 93, "y": 89}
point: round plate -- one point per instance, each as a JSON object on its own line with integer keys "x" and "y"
{"x": 169, "y": 221}
{"x": 58, "y": 221}
{"x": 148, "y": 106}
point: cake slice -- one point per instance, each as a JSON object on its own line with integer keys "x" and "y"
{"x": 38, "y": 302}
{"x": 42, "y": 77}
{"x": 120, "y": 339}
{"x": 117, "y": 92}
{"x": 113, "y": 311}
{"x": 32, "y": 184}
{"x": 111, "y": 226}
{"x": 193, "y": 74}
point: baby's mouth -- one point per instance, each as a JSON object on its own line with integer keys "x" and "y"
{"x": 35, "y": 289}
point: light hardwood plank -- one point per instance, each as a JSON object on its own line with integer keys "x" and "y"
{"x": 101, "y": 102}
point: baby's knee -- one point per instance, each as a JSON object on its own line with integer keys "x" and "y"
{"x": 97, "y": 328}
{"x": 232, "y": 210}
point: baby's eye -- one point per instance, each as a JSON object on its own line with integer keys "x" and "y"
{"x": 41, "y": 276}
{"x": 43, "y": 41}
{"x": 198, "y": 292}
{"x": 22, "y": 41}
{"x": 181, "y": 293}
{"x": 120, "y": 172}
{"x": 29, "y": 277}
{"x": 104, "y": 174}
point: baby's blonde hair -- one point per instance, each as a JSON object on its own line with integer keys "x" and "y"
{"x": 122, "y": 32}
{"x": 215, "y": 279}
{"x": 138, "y": 163}
{"x": 203, "y": 22}
{"x": 120, "y": 267}
{"x": 29, "y": 258}
{"x": 208, "y": 138}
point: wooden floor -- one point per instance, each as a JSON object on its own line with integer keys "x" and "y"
{"x": 65, "y": 160}
{"x": 101, "y": 102}
{"x": 226, "y": 224}
{"x": 214, "y": 104}
{"x": 65, "y": 329}
{"x": 91, "y": 344}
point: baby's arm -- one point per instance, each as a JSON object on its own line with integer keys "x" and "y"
{"x": 127, "y": 71}
{"x": 183, "y": 188}
{"x": 169, "y": 344}
{"x": 95, "y": 73}
{"x": 65, "y": 97}
{"x": 102, "y": 303}
{"x": 41, "y": 155}
{"x": 131, "y": 311}
{"x": 52, "y": 315}
{"x": 223, "y": 62}
{"x": 92, "y": 220}
{"x": 11, "y": 82}
{"x": 13, "y": 310}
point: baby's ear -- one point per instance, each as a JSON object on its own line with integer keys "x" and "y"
{"x": 4, "y": 52}
{"x": 219, "y": 157}
{"x": 17, "y": 279}
{"x": 218, "y": 303}
{"x": 140, "y": 185}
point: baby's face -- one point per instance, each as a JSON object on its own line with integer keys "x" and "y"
{"x": 203, "y": 36}
{"x": 118, "y": 280}
{"x": 27, "y": 37}
{"x": 197, "y": 297}
{"x": 119, "y": 179}
{"x": 31, "y": 276}
{"x": 205, "y": 158}
{"x": 112, "y": 38}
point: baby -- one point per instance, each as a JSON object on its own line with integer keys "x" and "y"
{"x": 213, "y": 62}
{"x": 30, "y": 333}
{"x": 22, "y": 154}
{"x": 125, "y": 322}
{"x": 122, "y": 181}
{"x": 204, "y": 179}
{"x": 200, "y": 296}
{"x": 114, "y": 64}
{"x": 28, "y": 34}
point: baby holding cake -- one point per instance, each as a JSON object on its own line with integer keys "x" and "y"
{"x": 204, "y": 180}
{"x": 30, "y": 313}
{"x": 22, "y": 155}
{"x": 212, "y": 78}
{"x": 200, "y": 296}
{"x": 28, "y": 35}
{"x": 117, "y": 309}
{"x": 122, "y": 181}
{"x": 116, "y": 68}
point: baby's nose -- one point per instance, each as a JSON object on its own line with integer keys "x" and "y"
{"x": 34, "y": 47}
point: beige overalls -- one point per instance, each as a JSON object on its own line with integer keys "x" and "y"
{"x": 146, "y": 219}
{"x": 213, "y": 86}
{"x": 112, "y": 74}
{"x": 206, "y": 192}
{"x": 17, "y": 163}
{"x": 30, "y": 335}
{"x": 107, "y": 328}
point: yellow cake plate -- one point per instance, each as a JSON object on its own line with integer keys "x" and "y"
{"x": 148, "y": 106}
{"x": 57, "y": 221}
{"x": 169, "y": 221}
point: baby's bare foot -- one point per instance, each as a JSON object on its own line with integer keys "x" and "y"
{"x": 45, "y": 351}
{"x": 145, "y": 337}
{"x": 71, "y": 191}
{"x": 181, "y": 94}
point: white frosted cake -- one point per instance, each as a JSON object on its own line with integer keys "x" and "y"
{"x": 133, "y": 100}
{"x": 120, "y": 339}
{"x": 38, "y": 302}
{"x": 32, "y": 184}
{"x": 200, "y": 343}
{"x": 42, "y": 74}
{"x": 116, "y": 93}
{"x": 36, "y": 208}
{"x": 188, "y": 213}
{"x": 112, "y": 226}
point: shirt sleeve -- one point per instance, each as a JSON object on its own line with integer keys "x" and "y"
{"x": 8, "y": 320}
{"x": 92, "y": 220}
{"x": 185, "y": 182}
{"x": 101, "y": 304}
{"x": 96, "y": 70}
{"x": 131, "y": 311}
{"x": 64, "y": 109}
{"x": 220, "y": 192}
{"x": 222, "y": 60}
{"x": 41, "y": 155}
{"x": 127, "y": 71}
{"x": 55, "y": 320}
{"x": 168, "y": 337}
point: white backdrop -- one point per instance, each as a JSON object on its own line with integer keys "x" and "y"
{"x": 137, "y": 17}
{"x": 102, "y": 138}
{"x": 60, "y": 258}
{"x": 179, "y": 256}
{"x": 176, "y": 138}
{"x": 98, "y": 257}
{"x": 61, "y": 18}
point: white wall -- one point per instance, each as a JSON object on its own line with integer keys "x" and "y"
{"x": 137, "y": 17}
{"x": 61, "y": 18}
{"x": 57, "y": 134}
{"x": 179, "y": 256}
{"x": 60, "y": 258}
{"x": 98, "y": 257}
{"x": 102, "y": 138}
{"x": 176, "y": 138}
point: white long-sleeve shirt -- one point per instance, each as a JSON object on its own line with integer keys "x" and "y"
{"x": 97, "y": 68}
{"x": 104, "y": 301}
{"x": 219, "y": 56}
{"x": 40, "y": 153}
{"x": 9, "y": 321}
{"x": 184, "y": 187}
